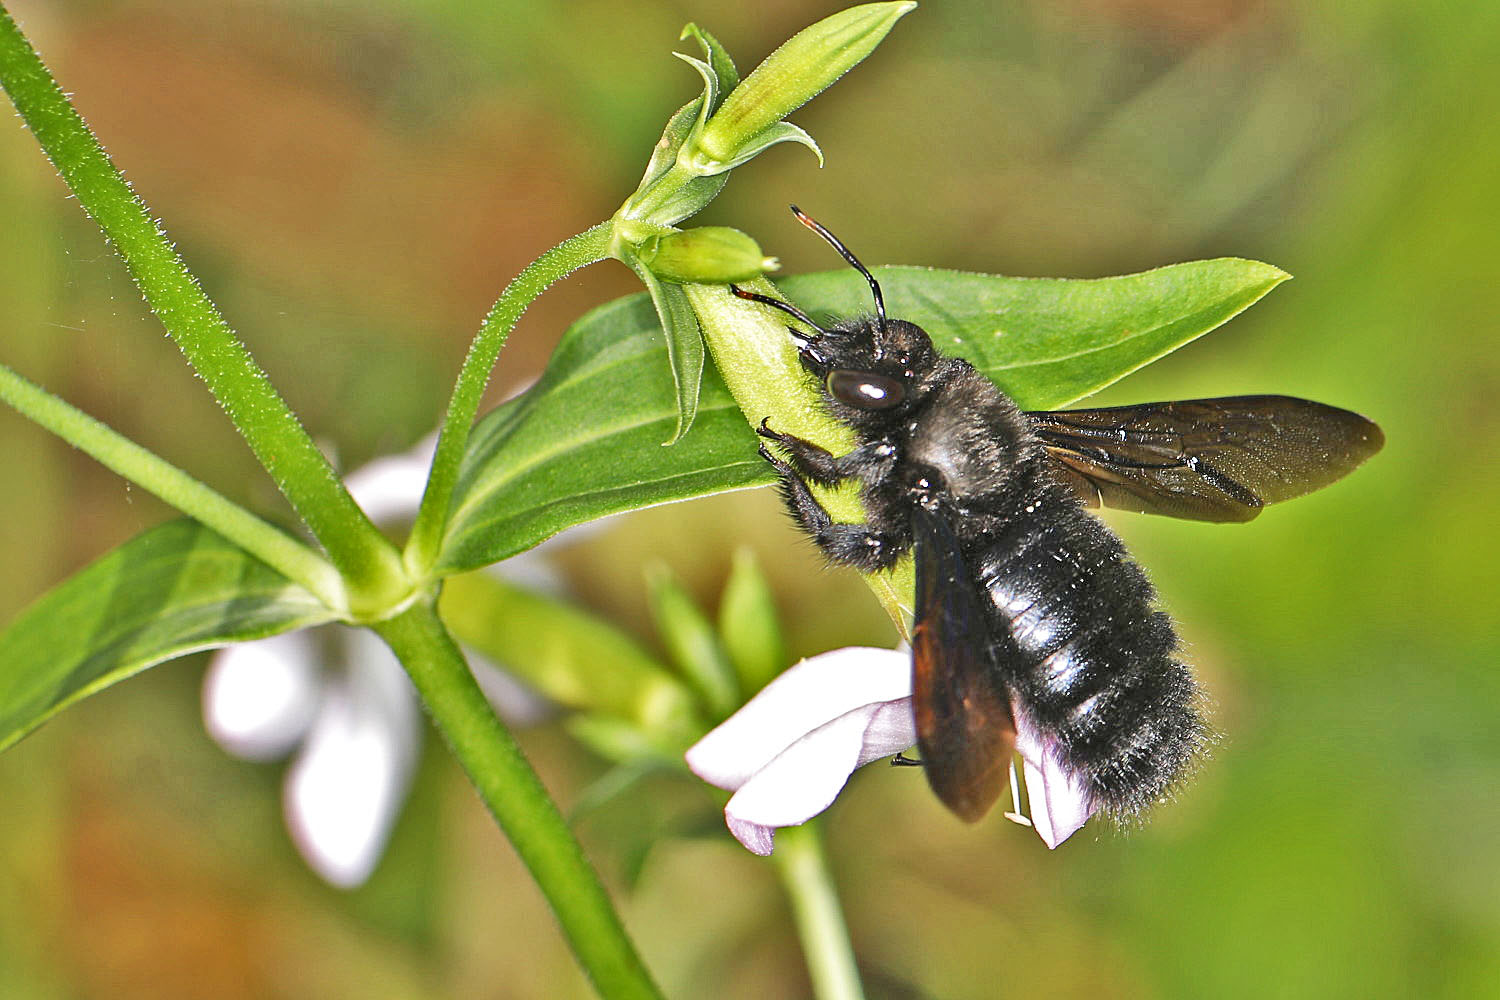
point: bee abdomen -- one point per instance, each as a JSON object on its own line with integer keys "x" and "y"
{"x": 1088, "y": 657}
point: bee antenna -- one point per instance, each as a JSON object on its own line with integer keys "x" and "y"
{"x": 785, "y": 307}
{"x": 833, "y": 241}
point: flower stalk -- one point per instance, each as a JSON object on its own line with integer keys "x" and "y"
{"x": 590, "y": 246}
{"x": 802, "y": 864}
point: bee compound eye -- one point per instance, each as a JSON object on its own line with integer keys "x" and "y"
{"x": 865, "y": 390}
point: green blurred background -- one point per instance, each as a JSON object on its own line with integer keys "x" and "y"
{"x": 354, "y": 183}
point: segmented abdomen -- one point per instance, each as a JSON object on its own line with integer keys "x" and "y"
{"x": 1085, "y": 652}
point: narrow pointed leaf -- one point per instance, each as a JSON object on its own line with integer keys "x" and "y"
{"x": 692, "y": 642}
{"x": 586, "y": 440}
{"x": 718, "y": 57}
{"x": 710, "y": 98}
{"x": 664, "y": 153}
{"x": 749, "y": 626}
{"x": 773, "y": 134}
{"x": 684, "y": 344}
{"x": 171, "y": 590}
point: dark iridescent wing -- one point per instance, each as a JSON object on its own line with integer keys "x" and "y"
{"x": 964, "y": 724}
{"x": 1204, "y": 459}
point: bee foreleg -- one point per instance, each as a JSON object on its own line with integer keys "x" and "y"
{"x": 813, "y": 462}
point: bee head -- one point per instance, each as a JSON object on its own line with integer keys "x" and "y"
{"x": 867, "y": 365}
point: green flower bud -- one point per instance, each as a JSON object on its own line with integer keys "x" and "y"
{"x": 708, "y": 255}
{"x": 749, "y": 626}
{"x": 791, "y": 76}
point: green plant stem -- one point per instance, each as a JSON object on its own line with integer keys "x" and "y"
{"x": 114, "y": 451}
{"x": 517, "y": 800}
{"x": 368, "y": 562}
{"x": 586, "y": 248}
{"x": 802, "y": 864}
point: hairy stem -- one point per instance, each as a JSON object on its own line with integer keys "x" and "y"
{"x": 586, "y": 248}
{"x": 519, "y": 803}
{"x": 368, "y": 562}
{"x": 151, "y": 472}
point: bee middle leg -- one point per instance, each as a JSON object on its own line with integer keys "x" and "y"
{"x": 857, "y": 545}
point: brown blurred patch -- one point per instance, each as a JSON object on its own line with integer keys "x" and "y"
{"x": 252, "y": 142}
{"x": 153, "y": 918}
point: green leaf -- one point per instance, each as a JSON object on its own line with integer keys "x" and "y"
{"x": 674, "y": 202}
{"x": 684, "y": 343}
{"x": 561, "y": 651}
{"x": 1048, "y": 342}
{"x": 172, "y": 590}
{"x": 749, "y": 625}
{"x": 585, "y": 440}
{"x": 663, "y": 203}
{"x": 692, "y": 642}
{"x": 718, "y": 57}
{"x": 673, "y": 135}
{"x": 710, "y": 98}
{"x": 768, "y": 137}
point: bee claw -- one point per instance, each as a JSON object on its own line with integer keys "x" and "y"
{"x": 764, "y": 430}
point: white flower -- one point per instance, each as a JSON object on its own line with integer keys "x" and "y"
{"x": 358, "y": 729}
{"x": 1059, "y": 798}
{"x": 343, "y": 697}
{"x": 790, "y": 750}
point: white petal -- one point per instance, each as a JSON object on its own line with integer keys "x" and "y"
{"x": 804, "y": 779}
{"x": 1059, "y": 797}
{"x": 757, "y": 839}
{"x": 390, "y": 488}
{"x": 891, "y": 728}
{"x": 806, "y": 696}
{"x": 259, "y": 697}
{"x": 346, "y": 787}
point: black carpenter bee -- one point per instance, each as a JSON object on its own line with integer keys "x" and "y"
{"x": 1025, "y": 603}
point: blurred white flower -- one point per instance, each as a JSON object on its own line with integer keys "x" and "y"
{"x": 791, "y": 749}
{"x": 341, "y": 699}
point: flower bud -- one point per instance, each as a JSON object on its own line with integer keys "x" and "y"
{"x": 794, "y": 74}
{"x": 708, "y": 255}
